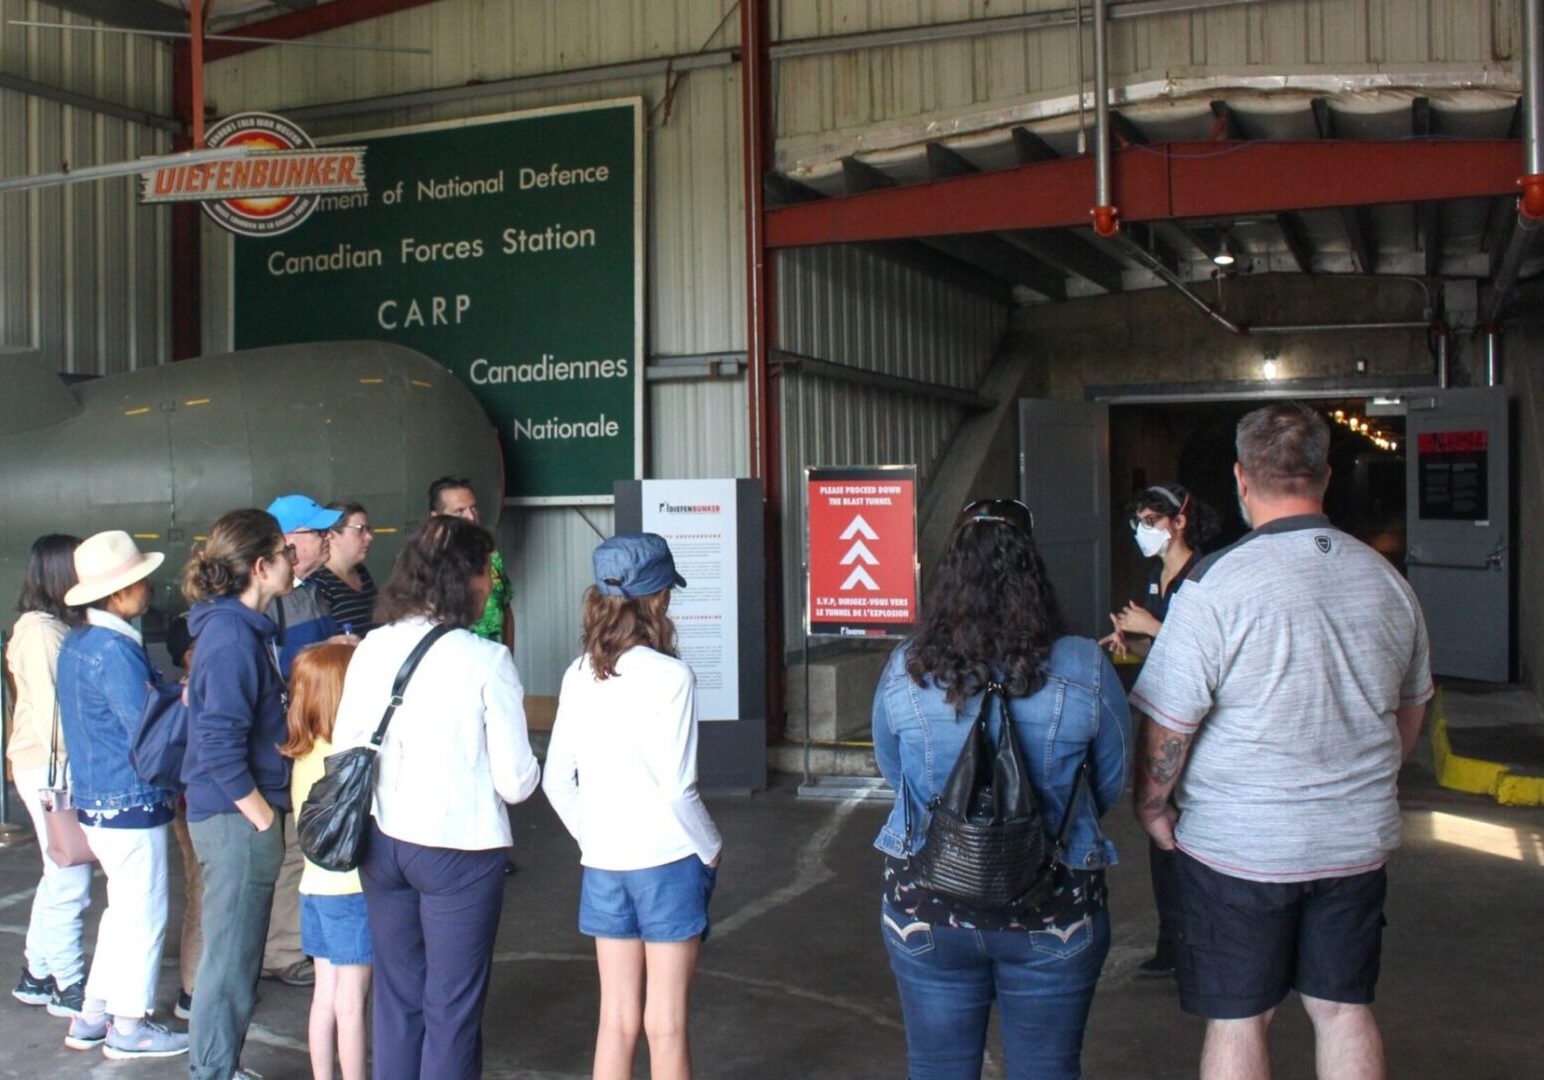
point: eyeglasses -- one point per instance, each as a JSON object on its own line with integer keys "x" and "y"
{"x": 1145, "y": 519}
{"x": 287, "y": 553}
{"x": 1004, "y": 511}
{"x": 362, "y": 530}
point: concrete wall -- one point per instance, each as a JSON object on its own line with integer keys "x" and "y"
{"x": 1156, "y": 336}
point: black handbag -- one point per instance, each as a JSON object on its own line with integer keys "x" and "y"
{"x": 333, "y": 823}
{"x": 986, "y": 844}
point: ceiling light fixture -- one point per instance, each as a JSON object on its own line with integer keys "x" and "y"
{"x": 1226, "y": 253}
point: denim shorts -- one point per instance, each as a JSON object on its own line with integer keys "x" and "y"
{"x": 335, "y": 929}
{"x": 659, "y": 904}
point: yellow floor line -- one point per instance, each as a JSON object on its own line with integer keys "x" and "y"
{"x": 1458, "y": 773}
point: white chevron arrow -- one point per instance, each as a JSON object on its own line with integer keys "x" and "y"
{"x": 859, "y": 527}
{"x": 860, "y": 576}
{"x": 859, "y": 551}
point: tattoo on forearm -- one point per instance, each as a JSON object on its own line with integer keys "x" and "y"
{"x": 1163, "y": 767}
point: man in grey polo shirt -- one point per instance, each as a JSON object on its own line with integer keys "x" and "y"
{"x": 1289, "y": 683}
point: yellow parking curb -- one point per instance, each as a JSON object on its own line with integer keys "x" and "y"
{"x": 1458, "y": 773}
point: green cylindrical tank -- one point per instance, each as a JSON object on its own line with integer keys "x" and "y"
{"x": 163, "y": 452}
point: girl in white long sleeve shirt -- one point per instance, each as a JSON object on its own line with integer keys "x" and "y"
{"x": 622, "y": 774}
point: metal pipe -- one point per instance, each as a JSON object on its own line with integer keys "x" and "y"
{"x": 1106, "y": 221}
{"x": 176, "y": 35}
{"x": 1444, "y": 356}
{"x": 1493, "y": 356}
{"x": 1530, "y": 208}
{"x": 1137, "y": 252}
{"x": 121, "y": 168}
{"x": 1320, "y": 328}
{"x": 1082, "y": 81}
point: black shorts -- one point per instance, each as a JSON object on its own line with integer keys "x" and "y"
{"x": 1241, "y": 945}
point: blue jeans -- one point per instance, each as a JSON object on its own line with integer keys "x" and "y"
{"x": 948, "y": 978}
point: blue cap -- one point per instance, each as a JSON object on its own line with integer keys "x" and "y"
{"x": 296, "y": 512}
{"x": 635, "y": 564}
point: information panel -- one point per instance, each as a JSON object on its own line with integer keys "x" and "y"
{"x": 697, "y": 520}
{"x": 509, "y": 248}
{"x": 1453, "y": 476}
{"x": 861, "y": 549}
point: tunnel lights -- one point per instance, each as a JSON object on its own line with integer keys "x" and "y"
{"x": 1357, "y": 426}
{"x": 1269, "y": 367}
{"x": 1226, "y": 253}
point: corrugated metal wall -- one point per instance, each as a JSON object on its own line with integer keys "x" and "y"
{"x": 848, "y": 306}
{"x": 854, "y": 90}
{"x": 84, "y": 270}
{"x": 695, "y": 300}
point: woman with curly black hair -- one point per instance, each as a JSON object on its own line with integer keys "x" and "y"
{"x": 992, "y": 620}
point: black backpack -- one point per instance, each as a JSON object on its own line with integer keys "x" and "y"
{"x": 986, "y": 843}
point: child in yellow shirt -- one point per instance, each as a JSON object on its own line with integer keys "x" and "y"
{"x": 334, "y": 930}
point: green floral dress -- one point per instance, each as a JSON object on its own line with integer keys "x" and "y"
{"x": 491, "y": 625}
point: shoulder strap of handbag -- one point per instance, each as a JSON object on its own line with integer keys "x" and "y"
{"x": 53, "y": 740}
{"x": 1079, "y": 782}
{"x": 399, "y": 687}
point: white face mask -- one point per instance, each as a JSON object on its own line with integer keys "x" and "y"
{"x": 1152, "y": 540}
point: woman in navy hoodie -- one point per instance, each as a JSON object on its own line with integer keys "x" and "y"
{"x": 237, "y": 783}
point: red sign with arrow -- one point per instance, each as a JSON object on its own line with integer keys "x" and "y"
{"x": 862, "y": 551}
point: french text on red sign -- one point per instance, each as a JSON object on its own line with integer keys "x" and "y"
{"x": 1452, "y": 442}
{"x": 862, "y": 576}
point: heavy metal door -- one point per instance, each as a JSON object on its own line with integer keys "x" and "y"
{"x": 1460, "y": 561}
{"x": 1064, "y": 477}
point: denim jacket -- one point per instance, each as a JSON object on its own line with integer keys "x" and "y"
{"x": 103, "y": 679}
{"x": 1080, "y": 712}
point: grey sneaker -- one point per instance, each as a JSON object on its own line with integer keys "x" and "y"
{"x": 85, "y": 1035}
{"x": 69, "y": 1001}
{"x": 31, "y": 990}
{"x": 149, "y": 1040}
{"x": 246, "y": 1074}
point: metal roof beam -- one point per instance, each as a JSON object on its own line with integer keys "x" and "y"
{"x": 989, "y": 253}
{"x": 1354, "y": 220}
{"x": 1296, "y": 238}
{"x": 1428, "y": 215}
{"x": 307, "y": 21}
{"x": 785, "y": 191}
{"x": 1031, "y": 148}
{"x": 1057, "y": 249}
{"x": 1167, "y": 182}
{"x": 127, "y": 14}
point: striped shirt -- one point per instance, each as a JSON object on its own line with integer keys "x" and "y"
{"x": 354, "y": 612}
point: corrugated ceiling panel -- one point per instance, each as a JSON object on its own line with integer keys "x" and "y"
{"x": 84, "y": 270}
{"x": 854, "y": 90}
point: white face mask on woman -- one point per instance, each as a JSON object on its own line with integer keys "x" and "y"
{"x": 1152, "y": 540}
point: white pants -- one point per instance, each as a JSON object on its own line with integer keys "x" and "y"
{"x": 62, "y": 897}
{"x": 133, "y": 928}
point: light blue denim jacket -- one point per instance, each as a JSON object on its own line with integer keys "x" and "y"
{"x": 1080, "y": 712}
{"x": 103, "y": 678}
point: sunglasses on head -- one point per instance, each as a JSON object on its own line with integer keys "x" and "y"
{"x": 1004, "y": 511}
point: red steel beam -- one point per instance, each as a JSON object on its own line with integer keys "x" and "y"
{"x": 187, "y": 252}
{"x": 314, "y": 20}
{"x": 1163, "y": 182}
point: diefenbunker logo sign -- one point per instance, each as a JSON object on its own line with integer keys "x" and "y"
{"x": 270, "y": 191}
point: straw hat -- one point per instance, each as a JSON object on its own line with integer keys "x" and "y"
{"x": 107, "y": 562}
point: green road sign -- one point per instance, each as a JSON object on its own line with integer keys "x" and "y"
{"x": 508, "y": 248}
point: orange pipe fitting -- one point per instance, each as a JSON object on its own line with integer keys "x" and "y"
{"x": 1106, "y": 220}
{"x": 1532, "y": 202}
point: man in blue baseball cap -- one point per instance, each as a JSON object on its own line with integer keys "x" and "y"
{"x": 635, "y": 564}
{"x": 303, "y": 618}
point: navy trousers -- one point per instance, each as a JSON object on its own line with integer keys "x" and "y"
{"x": 434, "y": 913}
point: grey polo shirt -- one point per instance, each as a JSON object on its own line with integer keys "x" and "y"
{"x": 1286, "y": 655}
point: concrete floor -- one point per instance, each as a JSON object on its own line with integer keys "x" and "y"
{"x": 794, "y": 982}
